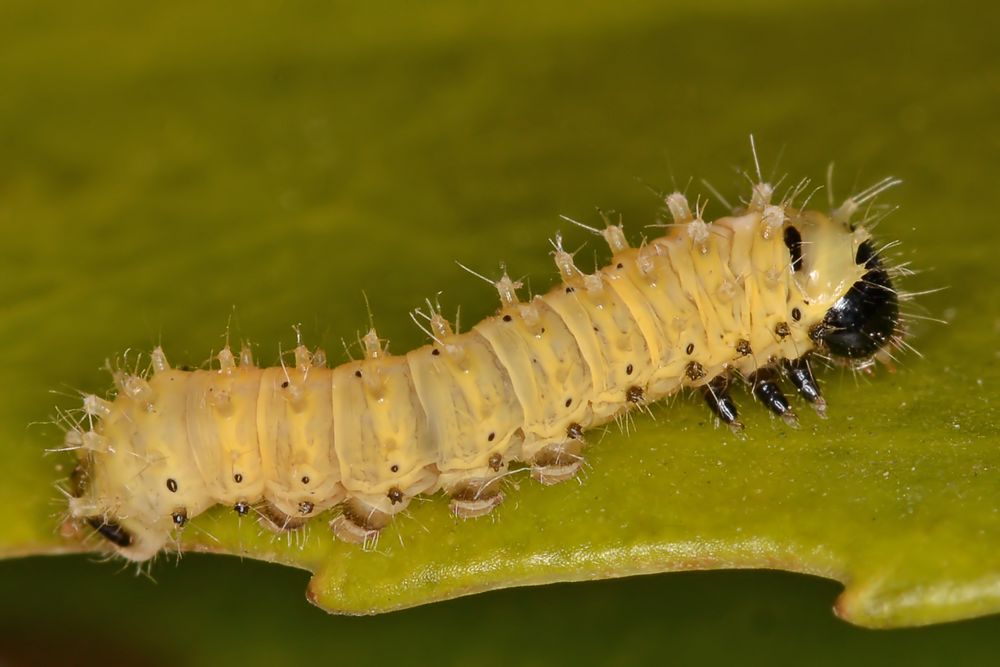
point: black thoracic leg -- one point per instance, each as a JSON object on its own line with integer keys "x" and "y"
{"x": 764, "y": 384}
{"x": 717, "y": 396}
{"x": 802, "y": 377}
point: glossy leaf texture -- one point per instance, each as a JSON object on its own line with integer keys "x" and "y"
{"x": 156, "y": 191}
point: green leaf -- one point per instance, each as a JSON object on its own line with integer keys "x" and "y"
{"x": 153, "y": 193}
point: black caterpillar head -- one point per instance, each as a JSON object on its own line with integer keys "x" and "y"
{"x": 863, "y": 320}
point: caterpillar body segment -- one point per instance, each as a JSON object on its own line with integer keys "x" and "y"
{"x": 748, "y": 296}
{"x": 293, "y": 427}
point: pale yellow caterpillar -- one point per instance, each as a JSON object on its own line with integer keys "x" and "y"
{"x": 747, "y": 296}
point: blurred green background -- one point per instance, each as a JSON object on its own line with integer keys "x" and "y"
{"x": 161, "y": 165}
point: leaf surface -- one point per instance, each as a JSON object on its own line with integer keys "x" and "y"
{"x": 266, "y": 180}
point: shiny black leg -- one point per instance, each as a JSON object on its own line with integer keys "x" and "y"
{"x": 801, "y": 376}
{"x": 717, "y": 396}
{"x": 764, "y": 384}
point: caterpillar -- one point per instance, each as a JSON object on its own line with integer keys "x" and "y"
{"x": 750, "y": 297}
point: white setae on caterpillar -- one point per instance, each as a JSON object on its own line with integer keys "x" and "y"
{"x": 748, "y": 296}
